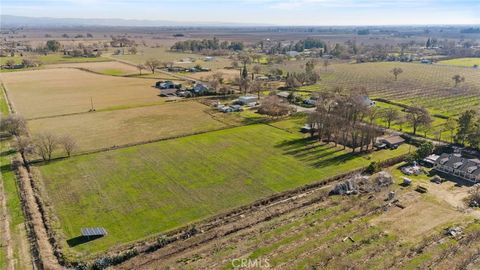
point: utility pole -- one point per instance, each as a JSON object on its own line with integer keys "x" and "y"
{"x": 91, "y": 104}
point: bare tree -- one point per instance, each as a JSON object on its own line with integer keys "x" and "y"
{"x": 140, "y": 67}
{"x": 274, "y": 106}
{"x": 257, "y": 87}
{"x": 451, "y": 127}
{"x": 45, "y": 145}
{"x": 68, "y": 143}
{"x": 389, "y": 115}
{"x": 396, "y": 71}
{"x": 326, "y": 63}
{"x": 256, "y": 70}
{"x": 152, "y": 64}
{"x": 14, "y": 124}
{"x": 457, "y": 79}
{"x": 24, "y": 146}
{"x": 418, "y": 116}
{"x": 132, "y": 50}
{"x": 235, "y": 64}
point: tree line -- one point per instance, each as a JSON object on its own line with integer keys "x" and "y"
{"x": 43, "y": 144}
{"x": 344, "y": 119}
{"x": 206, "y": 44}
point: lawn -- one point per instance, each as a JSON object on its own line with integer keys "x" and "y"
{"x": 161, "y": 186}
{"x": 119, "y": 127}
{"x": 50, "y": 92}
{"x": 463, "y": 62}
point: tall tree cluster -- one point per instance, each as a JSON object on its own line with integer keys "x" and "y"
{"x": 345, "y": 119}
{"x": 468, "y": 130}
{"x": 206, "y": 44}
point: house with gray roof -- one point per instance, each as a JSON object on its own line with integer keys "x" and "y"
{"x": 459, "y": 166}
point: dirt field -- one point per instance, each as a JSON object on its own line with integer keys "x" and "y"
{"x": 108, "y": 68}
{"x": 52, "y": 92}
{"x": 119, "y": 127}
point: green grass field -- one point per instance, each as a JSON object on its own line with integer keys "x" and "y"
{"x": 56, "y": 58}
{"x": 463, "y": 62}
{"x": 158, "y": 187}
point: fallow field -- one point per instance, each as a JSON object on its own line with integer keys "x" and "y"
{"x": 51, "y": 92}
{"x": 108, "y": 68}
{"x": 106, "y": 129}
{"x": 161, "y": 186}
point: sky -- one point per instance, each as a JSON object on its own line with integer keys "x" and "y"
{"x": 274, "y": 12}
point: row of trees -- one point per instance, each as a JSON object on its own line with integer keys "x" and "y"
{"x": 344, "y": 119}
{"x": 206, "y": 44}
{"x": 43, "y": 144}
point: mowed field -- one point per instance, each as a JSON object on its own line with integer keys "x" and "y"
{"x": 108, "y": 68}
{"x": 50, "y": 92}
{"x": 119, "y": 127}
{"x": 419, "y": 84}
{"x": 157, "y": 187}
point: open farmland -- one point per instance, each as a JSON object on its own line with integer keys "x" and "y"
{"x": 119, "y": 127}
{"x": 419, "y": 84}
{"x": 463, "y": 62}
{"x": 53, "y": 92}
{"x": 163, "y": 54}
{"x": 359, "y": 232}
{"x": 53, "y": 58}
{"x": 158, "y": 187}
{"x": 107, "y": 68}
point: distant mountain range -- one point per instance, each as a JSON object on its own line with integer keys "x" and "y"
{"x": 23, "y": 21}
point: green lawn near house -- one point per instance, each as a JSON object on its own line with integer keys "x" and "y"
{"x": 161, "y": 186}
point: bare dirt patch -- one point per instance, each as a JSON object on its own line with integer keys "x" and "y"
{"x": 419, "y": 217}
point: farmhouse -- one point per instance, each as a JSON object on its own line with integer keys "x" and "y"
{"x": 200, "y": 88}
{"x": 459, "y": 166}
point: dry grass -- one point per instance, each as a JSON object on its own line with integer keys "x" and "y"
{"x": 51, "y": 92}
{"x": 418, "y": 218}
{"x": 108, "y": 68}
{"x": 106, "y": 129}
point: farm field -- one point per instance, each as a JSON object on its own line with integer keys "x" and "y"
{"x": 164, "y": 55}
{"x": 51, "y": 92}
{"x": 160, "y": 186}
{"x": 108, "y": 68}
{"x": 463, "y": 62}
{"x": 54, "y": 58}
{"x": 119, "y": 127}
{"x": 343, "y": 232}
{"x": 419, "y": 84}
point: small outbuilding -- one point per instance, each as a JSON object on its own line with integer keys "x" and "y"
{"x": 393, "y": 141}
{"x": 247, "y": 99}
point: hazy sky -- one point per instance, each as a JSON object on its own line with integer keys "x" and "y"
{"x": 281, "y": 12}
